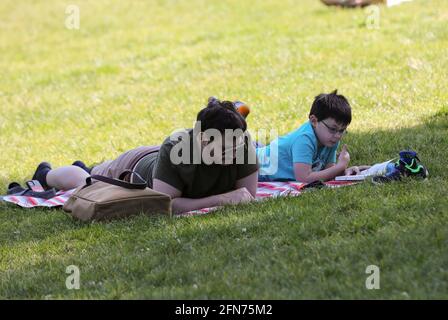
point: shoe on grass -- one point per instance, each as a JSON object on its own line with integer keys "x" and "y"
{"x": 408, "y": 165}
{"x": 41, "y": 173}
{"x": 82, "y": 165}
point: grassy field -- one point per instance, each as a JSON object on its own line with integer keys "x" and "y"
{"x": 136, "y": 70}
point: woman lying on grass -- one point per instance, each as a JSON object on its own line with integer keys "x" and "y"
{"x": 197, "y": 168}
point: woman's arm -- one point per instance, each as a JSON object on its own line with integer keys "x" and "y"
{"x": 250, "y": 183}
{"x": 180, "y": 204}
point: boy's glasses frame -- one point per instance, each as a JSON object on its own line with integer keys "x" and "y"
{"x": 334, "y": 131}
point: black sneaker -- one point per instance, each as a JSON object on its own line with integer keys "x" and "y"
{"x": 82, "y": 165}
{"x": 41, "y": 174}
{"x": 408, "y": 165}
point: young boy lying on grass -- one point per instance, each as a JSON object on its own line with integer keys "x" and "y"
{"x": 308, "y": 153}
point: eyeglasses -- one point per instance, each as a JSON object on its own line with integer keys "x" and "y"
{"x": 334, "y": 131}
{"x": 228, "y": 147}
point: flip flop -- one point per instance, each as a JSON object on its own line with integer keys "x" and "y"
{"x": 15, "y": 189}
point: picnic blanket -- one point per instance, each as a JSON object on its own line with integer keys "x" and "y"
{"x": 265, "y": 190}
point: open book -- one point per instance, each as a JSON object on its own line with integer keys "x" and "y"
{"x": 375, "y": 170}
{"x": 355, "y": 177}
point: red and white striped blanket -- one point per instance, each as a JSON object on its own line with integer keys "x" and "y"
{"x": 265, "y": 190}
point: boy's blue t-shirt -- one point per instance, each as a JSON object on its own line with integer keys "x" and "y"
{"x": 298, "y": 146}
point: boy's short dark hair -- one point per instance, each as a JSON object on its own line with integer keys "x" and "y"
{"x": 221, "y": 115}
{"x": 332, "y": 105}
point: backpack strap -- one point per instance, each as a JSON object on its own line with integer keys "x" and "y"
{"x": 142, "y": 184}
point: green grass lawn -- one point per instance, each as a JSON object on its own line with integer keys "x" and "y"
{"x": 136, "y": 70}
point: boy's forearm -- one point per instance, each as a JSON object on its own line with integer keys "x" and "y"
{"x": 326, "y": 174}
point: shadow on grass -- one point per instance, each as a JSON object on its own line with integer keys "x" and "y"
{"x": 430, "y": 140}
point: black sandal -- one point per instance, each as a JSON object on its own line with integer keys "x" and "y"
{"x": 34, "y": 190}
{"x": 14, "y": 187}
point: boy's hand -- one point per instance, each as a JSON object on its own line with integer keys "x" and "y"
{"x": 344, "y": 157}
{"x": 352, "y": 171}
